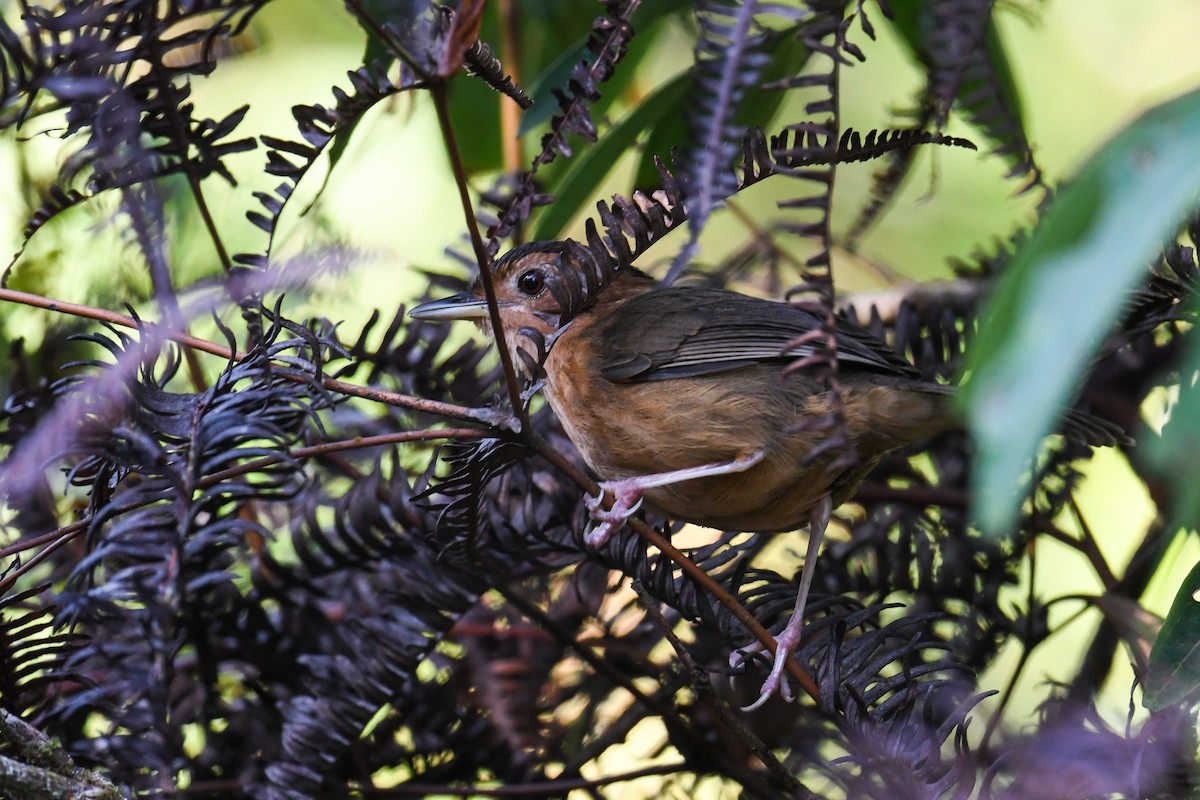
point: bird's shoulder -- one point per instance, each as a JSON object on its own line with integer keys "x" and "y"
{"x": 687, "y": 331}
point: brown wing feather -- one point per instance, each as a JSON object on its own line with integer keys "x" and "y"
{"x": 669, "y": 333}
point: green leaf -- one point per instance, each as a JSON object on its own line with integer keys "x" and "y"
{"x": 1064, "y": 289}
{"x": 541, "y": 90}
{"x": 579, "y": 185}
{"x": 1175, "y": 658}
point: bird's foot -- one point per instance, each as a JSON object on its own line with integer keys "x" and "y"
{"x": 627, "y": 492}
{"x": 789, "y": 638}
{"x": 785, "y": 645}
{"x": 627, "y": 499}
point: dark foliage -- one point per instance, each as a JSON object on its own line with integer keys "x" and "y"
{"x": 250, "y": 590}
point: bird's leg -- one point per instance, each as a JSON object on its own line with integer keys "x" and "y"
{"x": 627, "y": 492}
{"x": 789, "y": 637}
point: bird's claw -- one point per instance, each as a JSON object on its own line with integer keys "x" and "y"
{"x": 529, "y": 391}
{"x": 785, "y": 644}
{"x": 625, "y": 504}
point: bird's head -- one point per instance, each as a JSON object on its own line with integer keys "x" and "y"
{"x": 529, "y": 282}
{"x": 540, "y": 287}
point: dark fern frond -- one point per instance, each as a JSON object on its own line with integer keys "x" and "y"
{"x": 445, "y": 740}
{"x": 33, "y": 651}
{"x": 989, "y": 262}
{"x": 319, "y": 126}
{"x": 945, "y": 54}
{"x": 961, "y": 72}
{"x": 406, "y": 553}
{"x": 133, "y": 129}
{"x": 853, "y": 147}
{"x": 174, "y": 475}
{"x": 608, "y": 42}
{"x": 890, "y": 693}
{"x": 480, "y": 61}
{"x": 647, "y": 218}
{"x": 1162, "y": 299}
{"x": 363, "y": 529}
{"x": 428, "y": 563}
{"x": 906, "y": 755}
{"x": 57, "y": 200}
{"x": 722, "y": 561}
{"x": 731, "y": 54}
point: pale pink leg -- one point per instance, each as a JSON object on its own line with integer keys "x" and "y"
{"x": 627, "y": 492}
{"x": 790, "y": 636}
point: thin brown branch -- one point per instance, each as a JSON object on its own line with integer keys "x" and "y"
{"x": 358, "y": 443}
{"x": 438, "y": 90}
{"x": 67, "y": 534}
{"x": 113, "y": 318}
{"x": 1091, "y": 547}
{"x": 45, "y": 538}
{"x": 450, "y": 410}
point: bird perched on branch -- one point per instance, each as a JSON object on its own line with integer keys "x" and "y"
{"x": 680, "y": 396}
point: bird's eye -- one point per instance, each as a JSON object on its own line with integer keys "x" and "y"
{"x": 531, "y": 282}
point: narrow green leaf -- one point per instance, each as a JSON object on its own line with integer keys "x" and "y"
{"x": 1064, "y": 289}
{"x": 588, "y": 170}
{"x": 1175, "y": 657}
{"x": 541, "y": 90}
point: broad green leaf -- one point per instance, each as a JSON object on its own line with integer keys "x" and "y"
{"x": 579, "y": 185}
{"x": 1175, "y": 658}
{"x": 1064, "y": 289}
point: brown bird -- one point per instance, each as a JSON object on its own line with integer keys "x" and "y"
{"x": 678, "y": 395}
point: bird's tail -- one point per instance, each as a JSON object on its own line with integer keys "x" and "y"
{"x": 1087, "y": 428}
{"x": 1076, "y": 425}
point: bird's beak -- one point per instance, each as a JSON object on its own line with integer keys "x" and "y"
{"x": 460, "y": 306}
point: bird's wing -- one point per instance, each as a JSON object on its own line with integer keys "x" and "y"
{"x": 669, "y": 333}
